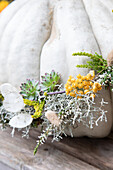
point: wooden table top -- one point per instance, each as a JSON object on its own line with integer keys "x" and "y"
{"x": 69, "y": 154}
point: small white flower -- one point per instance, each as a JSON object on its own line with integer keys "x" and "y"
{"x": 101, "y": 76}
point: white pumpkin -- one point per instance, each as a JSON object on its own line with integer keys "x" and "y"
{"x": 37, "y": 36}
{"x": 23, "y": 33}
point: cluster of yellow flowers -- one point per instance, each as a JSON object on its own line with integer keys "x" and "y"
{"x": 37, "y": 106}
{"x": 82, "y": 85}
{"x": 3, "y": 4}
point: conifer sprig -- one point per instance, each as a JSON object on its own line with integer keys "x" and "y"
{"x": 97, "y": 62}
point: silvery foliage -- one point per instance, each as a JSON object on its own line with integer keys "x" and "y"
{"x": 71, "y": 111}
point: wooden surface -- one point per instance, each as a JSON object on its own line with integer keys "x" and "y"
{"x": 68, "y": 154}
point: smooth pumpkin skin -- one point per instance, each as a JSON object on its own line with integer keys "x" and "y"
{"x": 22, "y": 40}
{"x": 37, "y": 36}
{"x": 101, "y": 19}
{"x": 71, "y": 32}
{"x": 45, "y": 33}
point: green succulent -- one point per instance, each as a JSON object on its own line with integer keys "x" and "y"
{"x": 49, "y": 81}
{"x": 30, "y": 90}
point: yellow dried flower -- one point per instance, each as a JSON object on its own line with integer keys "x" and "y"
{"x": 82, "y": 85}
{"x": 73, "y": 80}
{"x": 81, "y": 92}
{"x": 72, "y": 94}
{"x": 98, "y": 85}
{"x": 92, "y": 72}
{"x": 79, "y": 76}
{"x": 66, "y": 86}
{"x": 86, "y": 91}
{"x": 45, "y": 93}
{"x": 74, "y": 85}
{"x": 3, "y": 5}
{"x": 83, "y": 77}
{"x": 68, "y": 82}
{"x": 92, "y": 95}
{"x": 79, "y": 97}
{"x": 37, "y": 114}
{"x": 37, "y": 106}
{"x": 70, "y": 88}
{"x": 1, "y": 97}
{"x": 95, "y": 89}
{"x": 70, "y": 77}
{"x": 29, "y": 102}
{"x": 79, "y": 80}
{"x": 75, "y": 91}
{"x": 86, "y": 87}
{"x": 91, "y": 83}
{"x": 67, "y": 92}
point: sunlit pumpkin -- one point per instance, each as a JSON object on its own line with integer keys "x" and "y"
{"x": 37, "y": 36}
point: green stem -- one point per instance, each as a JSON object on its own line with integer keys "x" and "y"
{"x": 99, "y": 73}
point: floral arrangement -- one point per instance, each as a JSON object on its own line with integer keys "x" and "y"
{"x": 103, "y": 67}
{"x": 53, "y": 107}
